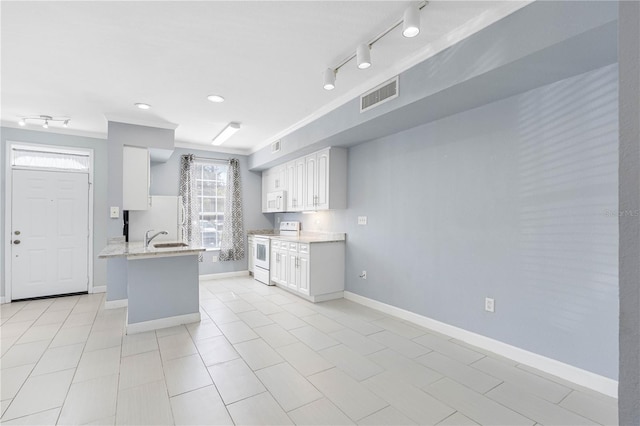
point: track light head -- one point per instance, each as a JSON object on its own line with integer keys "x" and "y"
{"x": 22, "y": 122}
{"x": 411, "y": 21}
{"x": 46, "y": 124}
{"x": 329, "y": 79}
{"x": 363, "y": 55}
{"x": 65, "y": 124}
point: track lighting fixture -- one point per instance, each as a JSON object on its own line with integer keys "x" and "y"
{"x": 410, "y": 28}
{"x": 44, "y": 119}
{"x": 363, "y": 56}
{"x": 329, "y": 79}
{"x": 411, "y": 21}
{"x": 226, "y": 133}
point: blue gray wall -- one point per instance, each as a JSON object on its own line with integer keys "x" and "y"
{"x": 164, "y": 181}
{"x": 514, "y": 200}
{"x": 100, "y": 209}
{"x": 629, "y": 45}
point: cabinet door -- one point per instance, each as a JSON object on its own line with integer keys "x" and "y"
{"x": 265, "y": 189}
{"x": 300, "y": 187}
{"x": 135, "y": 178}
{"x": 250, "y": 250}
{"x": 310, "y": 163}
{"x": 322, "y": 180}
{"x": 293, "y": 270}
{"x": 273, "y": 263}
{"x": 280, "y": 177}
{"x": 291, "y": 182}
{"x": 303, "y": 271}
{"x": 282, "y": 267}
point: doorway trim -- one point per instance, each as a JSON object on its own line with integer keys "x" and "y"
{"x": 8, "y": 211}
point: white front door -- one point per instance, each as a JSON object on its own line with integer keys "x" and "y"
{"x": 49, "y": 232}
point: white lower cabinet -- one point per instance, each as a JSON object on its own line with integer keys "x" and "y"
{"x": 250, "y": 250}
{"x": 314, "y": 271}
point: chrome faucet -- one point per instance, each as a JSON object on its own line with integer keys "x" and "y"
{"x": 148, "y": 239}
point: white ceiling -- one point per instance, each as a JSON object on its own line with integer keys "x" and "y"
{"x": 91, "y": 60}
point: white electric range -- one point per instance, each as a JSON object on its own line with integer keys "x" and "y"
{"x": 262, "y": 250}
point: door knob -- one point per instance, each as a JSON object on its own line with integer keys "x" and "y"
{"x": 16, "y": 232}
{"x": 16, "y": 241}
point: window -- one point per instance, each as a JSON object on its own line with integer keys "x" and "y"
{"x": 211, "y": 184}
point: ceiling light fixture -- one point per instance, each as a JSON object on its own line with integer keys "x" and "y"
{"x": 215, "y": 98}
{"x": 363, "y": 56}
{"x": 411, "y": 28}
{"x": 226, "y": 133}
{"x": 411, "y": 21}
{"x": 329, "y": 79}
{"x": 142, "y": 106}
{"x": 44, "y": 120}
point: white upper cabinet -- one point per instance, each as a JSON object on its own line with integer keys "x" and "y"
{"x": 135, "y": 178}
{"x": 298, "y": 185}
{"x": 311, "y": 174}
{"x": 314, "y": 182}
{"x": 274, "y": 179}
{"x": 291, "y": 186}
{"x": 326, "y": 179}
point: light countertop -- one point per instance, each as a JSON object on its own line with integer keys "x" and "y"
{"x": 311, "y": 237}
{"x": 137, "y": 250}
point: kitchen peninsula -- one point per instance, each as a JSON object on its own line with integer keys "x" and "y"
{"x": 162, "y": 283}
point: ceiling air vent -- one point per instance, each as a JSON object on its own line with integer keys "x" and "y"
{"x": 275, "y": 146}
{"x": 381, "y": 94}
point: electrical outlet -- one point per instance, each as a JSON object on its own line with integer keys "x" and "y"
{"x": 114, "y": 212}
{"x": 489, "y": 304}
{"x": 363, "y": 275}
{"x": 362, "y": 220}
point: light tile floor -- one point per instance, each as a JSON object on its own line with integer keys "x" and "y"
{"x": 263, "y": 356}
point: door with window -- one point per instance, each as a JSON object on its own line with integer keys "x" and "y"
{"x": 49, "y": 233}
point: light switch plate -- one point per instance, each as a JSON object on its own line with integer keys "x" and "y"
{"x": 115, "y": 212}
{"x": 362, "y": 220}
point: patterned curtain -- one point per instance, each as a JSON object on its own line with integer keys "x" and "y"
{"x": 190, "y": 200}
{"x": 232, "y": 243}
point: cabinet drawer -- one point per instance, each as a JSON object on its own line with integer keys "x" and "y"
{"x": 293, "y": 246}
{"x": 275, "y": 243}
{"x": 303, "y": 248}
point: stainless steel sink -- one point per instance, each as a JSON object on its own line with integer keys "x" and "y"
{"x": 170, "y": 245}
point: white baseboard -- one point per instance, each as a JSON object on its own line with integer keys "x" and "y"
{"x": 141, "y": 327}
{"x": 99, "y": 289}
{"x": 564, "y": 371}
{"x": 223, "y": 275}
{"x": 115, "y": 304}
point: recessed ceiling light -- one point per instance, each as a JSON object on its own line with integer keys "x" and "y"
{"x": 142, "y": 106}
{"x": 215, "y": 98}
